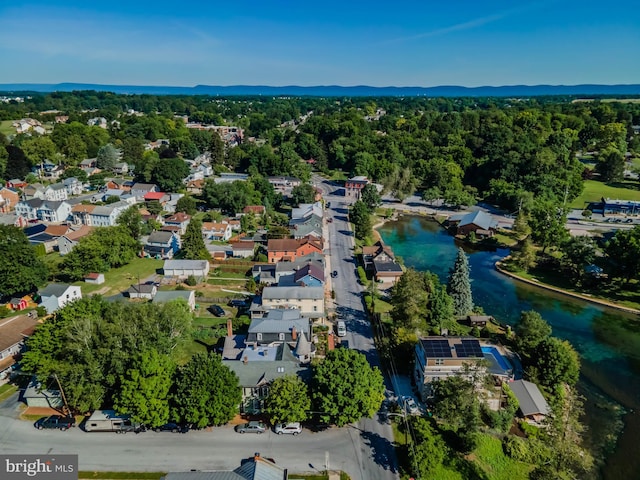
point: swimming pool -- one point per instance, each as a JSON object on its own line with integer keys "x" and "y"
{"x": 495, "y": 353}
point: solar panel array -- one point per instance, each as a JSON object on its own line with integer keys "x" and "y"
{"x": 437, "y": 349}
{"x": 468, "y": 348}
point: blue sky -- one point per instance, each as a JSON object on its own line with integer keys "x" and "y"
{"x": 309, "y": 42}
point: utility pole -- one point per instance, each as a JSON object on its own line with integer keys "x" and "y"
{"x": 66, "y": 409}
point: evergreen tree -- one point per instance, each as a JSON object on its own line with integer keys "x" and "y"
{"x": 459, "y": 285}
{"x": 193, "y": 247}
{"x": 108, "y": 156}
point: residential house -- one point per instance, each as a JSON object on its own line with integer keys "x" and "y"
{"x": 289, "y": 249}
{"x": 180, "y": 221}
{"x": 195, "y": 187}
{"x": 141, "y": 189}
{"x": 69, "y": 240}
{"x": 119, "y": 184}
{"x": 305, "y": 210}
{"x": 56, "y": 295}
{"x": 282, "y": 325}
{"x": 264, "y": 273}
{"x": 111, "y": 192}
{"x": 186, "y": 268}
{"x": 42, "y": 395}
{"x": 479, "y": 321}
{"x": 16, "y": 183}
{"x": 89, "y": 163}
{"x": 532, "y": 405}
{"x": 480, "y": 223}
{"x": 353, "y": 187}
{"x": 144, "y": 290}
{"x": 56, "y": 192}
{"x": 120, "y": 168}
{"x": 254, "y": 209}
{"x": 309, "y": 300}
{"x": 35, "y": 190}
{"x": 285, "y": 271}
{"x": 255, "y": 468}
{"x": 284, "y": 184}
{"x": 46, "y": 211}
{"x": 188, "y": 296}
{"x": 94, "y": 278}
{"x": 386, "y": 272}
{"x": 231, "y": 177}
{"x": 98, "y": 216}
{"x": 13, "y": 333}
{"x": 8, "y": 199}
{"x": 28, "y": 209}
{"x": 220, "y": 232}
{"x": 377, "y": 251}
{"x": 311, "y": 275}
{"x": 49, "y": 171}
{"x": 160, "y": 197}
{"x": 437, "y": 358}
{"x": 243, "y": 249}
{"x": 258, "y": 366}
{"x": 73, "y": 186}
{"x": 162, "y": 244}
{"x": 236, "y": 226}
{"x": 309, "y": 226}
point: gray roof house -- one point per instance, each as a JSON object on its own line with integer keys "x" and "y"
{"x": 479, "y": 222}
{"x": 309, "y": 300}
{"x": 144, "y": 290}
{"x": 283, "y": 325}
{"x": 533, "y": 406}
{"x": 169, "y": 296}
{"x": 185, "y": 268}
{"x": 257, "y": 468}
{"x": 56, "y": 295}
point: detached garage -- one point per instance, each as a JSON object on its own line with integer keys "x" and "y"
{"x": 184, "y": 268}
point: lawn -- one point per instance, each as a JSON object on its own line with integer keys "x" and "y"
{"x": 6, "y": 128}
{"x": 7, "y": 390}
{"x": 117, "y": 280}
{"x": 491, "y": 458}
{"x": 595, "y": 190}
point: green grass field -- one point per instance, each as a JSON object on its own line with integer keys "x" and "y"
{"x": 6, "y": 128}
{"x": 118, "y": 279}
{"x": 595, "y": 190}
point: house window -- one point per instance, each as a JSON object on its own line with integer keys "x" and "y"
{"x": 315, "y": 308}
{"x": 259, "y": 336}
{"x": 439, "y": 361}
{"x": 281, "y": 336}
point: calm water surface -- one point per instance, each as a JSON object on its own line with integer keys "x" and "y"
{"x": 608, "y": 341}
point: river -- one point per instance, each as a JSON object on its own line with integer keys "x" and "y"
{"x": 607, "y": 340}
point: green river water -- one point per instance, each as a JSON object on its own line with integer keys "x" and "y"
{"x": 607, "y": 340}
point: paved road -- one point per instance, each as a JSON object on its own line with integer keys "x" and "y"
{"x": 377, "y": 459}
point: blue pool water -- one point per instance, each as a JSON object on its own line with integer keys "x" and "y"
{"x": 503, "y": 362}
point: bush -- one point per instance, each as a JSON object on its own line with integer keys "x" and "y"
{"x": 529, "y": 430}
{"x": 362, "y": 275}
{"x": 191, "y": 281}
{"x": 516, "y": 448}
{"x": 4, "y": 311}
{"x": 180, "y": 287}
{"x": 41, "y": 311}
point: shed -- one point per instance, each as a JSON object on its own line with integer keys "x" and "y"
{"x": 18, "y": 304}
{"x": 533, "y": 406}
{"x": 38, "y": 395}
{"x": 479, "y": 320}
{"x": 95, "y": 278}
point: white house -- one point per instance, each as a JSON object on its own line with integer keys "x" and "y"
{"x": 121, "y": 168}
{"x": 169, "y": 296}
{"x": 216, "y": 231}
{"x": 47, "y": 211}
{"x": 56, "y": 295}
{"x": 185, "y": 268}
{"x": 56, "y": 192}
{"x": 309, "y": 300}
{"x": 98, "y": 216}
{"x": 73, "y": 186}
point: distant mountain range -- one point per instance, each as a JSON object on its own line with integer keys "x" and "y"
{"x": 335, "y": 90}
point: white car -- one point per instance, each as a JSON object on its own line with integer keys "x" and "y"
{"x": 292, "y": 428}
{"x": 409, "y": 405}
{"x": 341, "y": 329}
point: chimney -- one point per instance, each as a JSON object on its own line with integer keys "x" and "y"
{"x": 229, "y": 327}
{"x": 245, "y": 359}
{"x": 294, "y": 334}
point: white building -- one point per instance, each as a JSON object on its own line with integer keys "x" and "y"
{"x": 56, "y": 295}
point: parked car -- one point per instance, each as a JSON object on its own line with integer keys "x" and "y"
{"x": 291, "y": 428}
{"x": 409, "y": 405}
{"x": 334, "y": 274}
{"x": 341, "y": 328}
{"x": 172, "y": 427}
{"x": 236, "y": 302}
{"x": 251, "y": 427}
{"x": 629, "y": 220}
{"x": 217, "y": 310}
{"x": 56, "y": 421}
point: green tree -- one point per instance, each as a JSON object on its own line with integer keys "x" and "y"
{"x": 168, "y": 174}
{"x": 186, "y": 204}
{"x": 304, "y": 193}
{"x": 206, "y": 392}
{"x": 39, "y": 148}
{"x": 216, "y": 149}
{"x": 578, "y": 252}
{"x": 361, "y": 219}
{"x": 456, "y": 403}
{"x": 21, "y": 271}
{"x": 131, "y": 220}
{"x": 230, "y": 197}
{"x": 108, "y": 156}
{"x": 75, "y": 172}
{"x": 430, "y": 451}
{"x": 288, "y": 400}
{"x": 557, "y": 362}
{"x": 401, "y": 183}
{"x": 193, "y": 247}
{"x": 623, "y": 253}
{"x": 370, "y": 197}
{"x": 521, "y": 228}
{"x": 547, "y": 221}
{"x": 610, "y": 165}
{"x": 459, "y": 285}
{"x": 525, "y": 257}
{"x": 409, "y": 299}
{"x": 531, "y": 331}
{"x": 74, "y": 148}
{"x": 144, "y": 389}
{"x": 346, "y": 387}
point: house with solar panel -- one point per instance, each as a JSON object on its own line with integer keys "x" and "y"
{"x": 437, "y": 358}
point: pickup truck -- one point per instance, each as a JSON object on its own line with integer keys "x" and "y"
{"x": 56, "y": 421}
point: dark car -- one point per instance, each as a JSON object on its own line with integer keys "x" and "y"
{"x": 172, "y": 427}
{"x": 217, "y": 310}
{"x": 56, "y": 421}
{"x": 251, "y": 427}
{"x": 334, "y": 274}
{"x": 236, "y": 302}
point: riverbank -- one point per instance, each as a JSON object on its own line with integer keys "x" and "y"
{"x": 545, "y": 286}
